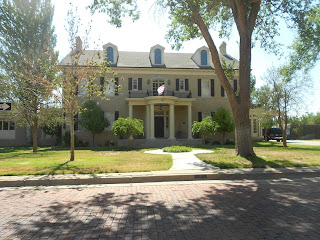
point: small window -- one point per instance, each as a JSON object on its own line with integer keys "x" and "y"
{"x": 11, "y": 125}
{"x": 135, "y": 84}
{"x": 110, "y": 54}
{"x": 5, "y": 125}
{"x": 204, "y": 57}
{"x": 181, "y": 85}
{"x": 157, "y": 56}
{"x": 111, "y": 118}
{"x": 0, "y": 125}
{"x": 254, "y": 125}
{"x": 110, "y": 88}
{"x": 206, "y": 114}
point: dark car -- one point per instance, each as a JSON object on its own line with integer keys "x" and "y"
{"x": 273, "y": 134}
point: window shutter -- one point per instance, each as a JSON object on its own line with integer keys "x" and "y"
{"x": 177, "y": 84}
{"x": 199, "y": 87}
{"x": 235, "y": 85}
{"x": 139, "y": 83}
{"x": 101, "y": 83}
{"x": 116, "y": 89}
{"x": 212, "y": 87}
{"x": 199, "y": 116}
{"x": 116, "y": 115}
{"x": 222, "y": 91}
{"x": 130, "y": 84}
{"x": 186, "y": 84}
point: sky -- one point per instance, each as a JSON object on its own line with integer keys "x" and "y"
{"x": 151, "y": 29}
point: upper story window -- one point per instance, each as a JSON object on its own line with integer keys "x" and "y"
{"x": 157, "y": 56}
{"x": 204, "y": 57}
{"x": 110, "y": 54}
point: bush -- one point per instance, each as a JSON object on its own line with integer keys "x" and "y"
{"x": 67, "y": 139}
{"x": 177, "y": 149}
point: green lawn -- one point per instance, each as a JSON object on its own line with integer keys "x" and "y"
{"x": 269, "y": 154}
{"x": 21, "y": 161}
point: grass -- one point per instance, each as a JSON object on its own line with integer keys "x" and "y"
{"x": 269, "y": 154}
{"x": 177, "y": 149}
{"x": 21, "y": 161}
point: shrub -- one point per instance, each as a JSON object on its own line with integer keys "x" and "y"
{"x": 67, "y": 139}
{"x": 177, "y": 149}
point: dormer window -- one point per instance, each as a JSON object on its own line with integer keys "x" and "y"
{"x": 204, "y": 57}
{"x": 110, "y": 54}
{"x": 157, "y": 56}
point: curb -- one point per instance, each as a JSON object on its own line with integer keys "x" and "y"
{"x": 160, "y": 176}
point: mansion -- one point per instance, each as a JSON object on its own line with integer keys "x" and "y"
{"x": 192, "y": 92}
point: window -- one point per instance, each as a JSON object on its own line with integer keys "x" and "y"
{"x": 5, "y": 125}
{"x": 0, "y": 125}
{"x": 181, "y": 85}
{"x": 110, "y": 54}
{"x": 223, "y": 92}
{"x": 7, "y": 130}
{"x": 83, "y": 88}
{"x": 155, "y": 85}
{"x": 110, "y": 88}
{"x": 254, "y": 125}
{"x": 11, "y": 125}
{"x": 205, "y": 88}
{"x": 204, "y": 57}
{"x": 157, "y": 56}
{"x": 135, "y": 84}
{"x": 111, "y": 119}
{"x": 206, "y": 114}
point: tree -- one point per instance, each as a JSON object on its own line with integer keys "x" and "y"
{"x": 92, "y": 118}
{"x": 82, "y": 76}
{"x": 193, "y": 18}
{"x": 205, "y": 128}
{"x": 225, "y": 121}
{"x": 28, "y": 62}
{"x": 128, "y": 127}
{"x": 282, "y": 96}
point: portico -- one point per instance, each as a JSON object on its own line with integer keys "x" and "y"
{"x": 160, "y": 114}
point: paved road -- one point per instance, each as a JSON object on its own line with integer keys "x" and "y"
{"x": 185, "y": 210}
{"x": 304, "y": 142}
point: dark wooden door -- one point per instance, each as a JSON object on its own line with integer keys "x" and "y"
{"x": 159, "y": 127}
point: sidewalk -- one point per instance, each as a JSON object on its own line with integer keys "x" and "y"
{"x": 158, "y": 176}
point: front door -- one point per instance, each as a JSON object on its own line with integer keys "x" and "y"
{"x": 159, "y": 127}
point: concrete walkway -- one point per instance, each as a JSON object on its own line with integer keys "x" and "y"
{"x": 186, "y": 160}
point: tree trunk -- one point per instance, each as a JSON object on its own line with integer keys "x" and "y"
{"x": 243, "y": 140}
{"x": 93, "y": 135}
{"x": 34, "y": 130}
{"x": 72, "y": 137}
{"x": 129, "y": 142}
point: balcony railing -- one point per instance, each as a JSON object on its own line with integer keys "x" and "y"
{"x": 141, "y": 94}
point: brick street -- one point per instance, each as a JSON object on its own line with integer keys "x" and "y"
{"x": 181, "y": 210}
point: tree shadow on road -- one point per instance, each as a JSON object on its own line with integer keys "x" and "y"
{"x": 254, "y": 210}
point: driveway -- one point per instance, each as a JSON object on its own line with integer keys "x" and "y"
{"x": 304, "y": 142}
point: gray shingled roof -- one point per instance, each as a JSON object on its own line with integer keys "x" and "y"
{"x": 142, "y": 60}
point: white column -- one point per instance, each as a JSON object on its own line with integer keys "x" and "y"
{"x": 147, "y": 130}
{"x": 152, "y": 122}
{"x": 171, "y": 122}
{"x": 130, "y": 111}
{"x": 189, "y": 122}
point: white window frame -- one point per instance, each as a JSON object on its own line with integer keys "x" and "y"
{"x": 182, "y": 85}
{"x": 7, "y": 134}
{"x": 135, "y": 84}
{"x": 203, "y": 92}
{"x": 110, "y": 88}
{"x": 110, "y": 117}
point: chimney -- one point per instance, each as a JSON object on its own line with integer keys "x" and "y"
{"x": 78, "y": 45}
{"x": 223, "y": 48}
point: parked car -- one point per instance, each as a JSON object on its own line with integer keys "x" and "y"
{"x": 273, "y": 134}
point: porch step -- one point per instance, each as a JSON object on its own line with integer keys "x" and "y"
{"x": 159, "y": 143}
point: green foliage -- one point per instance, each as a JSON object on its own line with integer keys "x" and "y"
{"x": 309, "y": 118}
{"x": 205, "y": 128}
{"x": 92, "y": 118}
{"x": 177, "y": 149}
{"x": 225, "y": 122}
{"x": 129, "y": 127}
{"x": 28, "y": 61}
